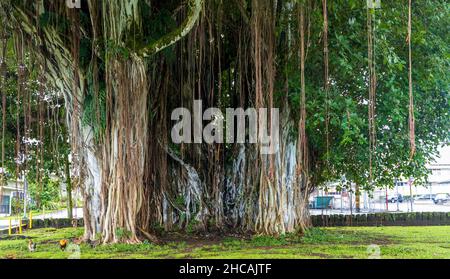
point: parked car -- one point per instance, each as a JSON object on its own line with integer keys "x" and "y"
{"x": 441, "y": 198}
{"x": 394, "y": 198}
{"x": 425, "y": 198}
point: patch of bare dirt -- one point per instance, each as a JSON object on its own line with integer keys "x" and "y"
{"x": 200, "y": 240}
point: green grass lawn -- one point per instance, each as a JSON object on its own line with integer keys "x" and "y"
{"x": 342, "y": 242}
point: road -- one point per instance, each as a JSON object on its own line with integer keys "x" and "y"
{"x": 427, "y": 206}
{"x": 77, "y": 213}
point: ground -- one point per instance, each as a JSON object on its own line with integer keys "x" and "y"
{"x": 342, "y": 242}
{"x": 418, "y": 206}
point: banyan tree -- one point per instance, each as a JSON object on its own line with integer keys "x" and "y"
{"x": 123, "y": 66}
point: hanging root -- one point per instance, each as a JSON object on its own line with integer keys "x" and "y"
{"x": 412, "y": 136}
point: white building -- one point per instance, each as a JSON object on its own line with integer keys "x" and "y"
{"x": 8, "y": 192}
{"x": 438, "y": 180}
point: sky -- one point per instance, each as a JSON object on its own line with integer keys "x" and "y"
{"x": 444, "y": 157}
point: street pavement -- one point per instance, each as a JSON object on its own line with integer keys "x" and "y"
{"x": 77, "y": 213}
{"x": 427, "y": 206}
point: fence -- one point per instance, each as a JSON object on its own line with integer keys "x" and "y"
{"x": 45, "y": 223}
{"x": 336, "y": 220}
{"x": 57, "y": 223}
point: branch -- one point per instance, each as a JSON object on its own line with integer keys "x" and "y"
{"x": 194, "y": 9}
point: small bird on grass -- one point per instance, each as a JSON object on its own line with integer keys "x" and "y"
{"x": 63, "y": 244}
{"x": 91, "y": 243}
{"x": 31, "y": 246}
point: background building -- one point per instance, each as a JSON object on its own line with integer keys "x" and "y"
{"x": 438, "y": 183}
{"x": 9, "y": 191}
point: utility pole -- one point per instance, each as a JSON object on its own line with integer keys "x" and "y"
{"x": 431, "y": 192}
{"x": 25, "y": 193}
{"x": 411, "y": 199}
{"x": 396, "y": 190}
{"x": 351, "y": 205}
{"x": 342, "y": 191}
{"x": 357, "y": 198}
{"x": 351, "y": 199}
{"x": 366, "y": 201}
{"x": 68, "y": 188}
{"x": 387, "y": 201}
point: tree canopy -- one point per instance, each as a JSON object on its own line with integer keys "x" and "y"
{"x": 338, "y": 71}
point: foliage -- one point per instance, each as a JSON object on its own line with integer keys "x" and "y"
{"x": 94, "y": 114}
{"x": 54, "y": 145}
{"x": 47, "y": 196}
{"x": 348, "y": 153}
{"x": 122, "y": 234}
{"x": 16, "y": 206}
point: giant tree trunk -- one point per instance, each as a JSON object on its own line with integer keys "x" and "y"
{"x": 125, "y": 142}
{"x": 124, "y": 191}
{"x": 124, "y": 150}
{"x": 280, "y": 206}
{"x": 112, "y": 168}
